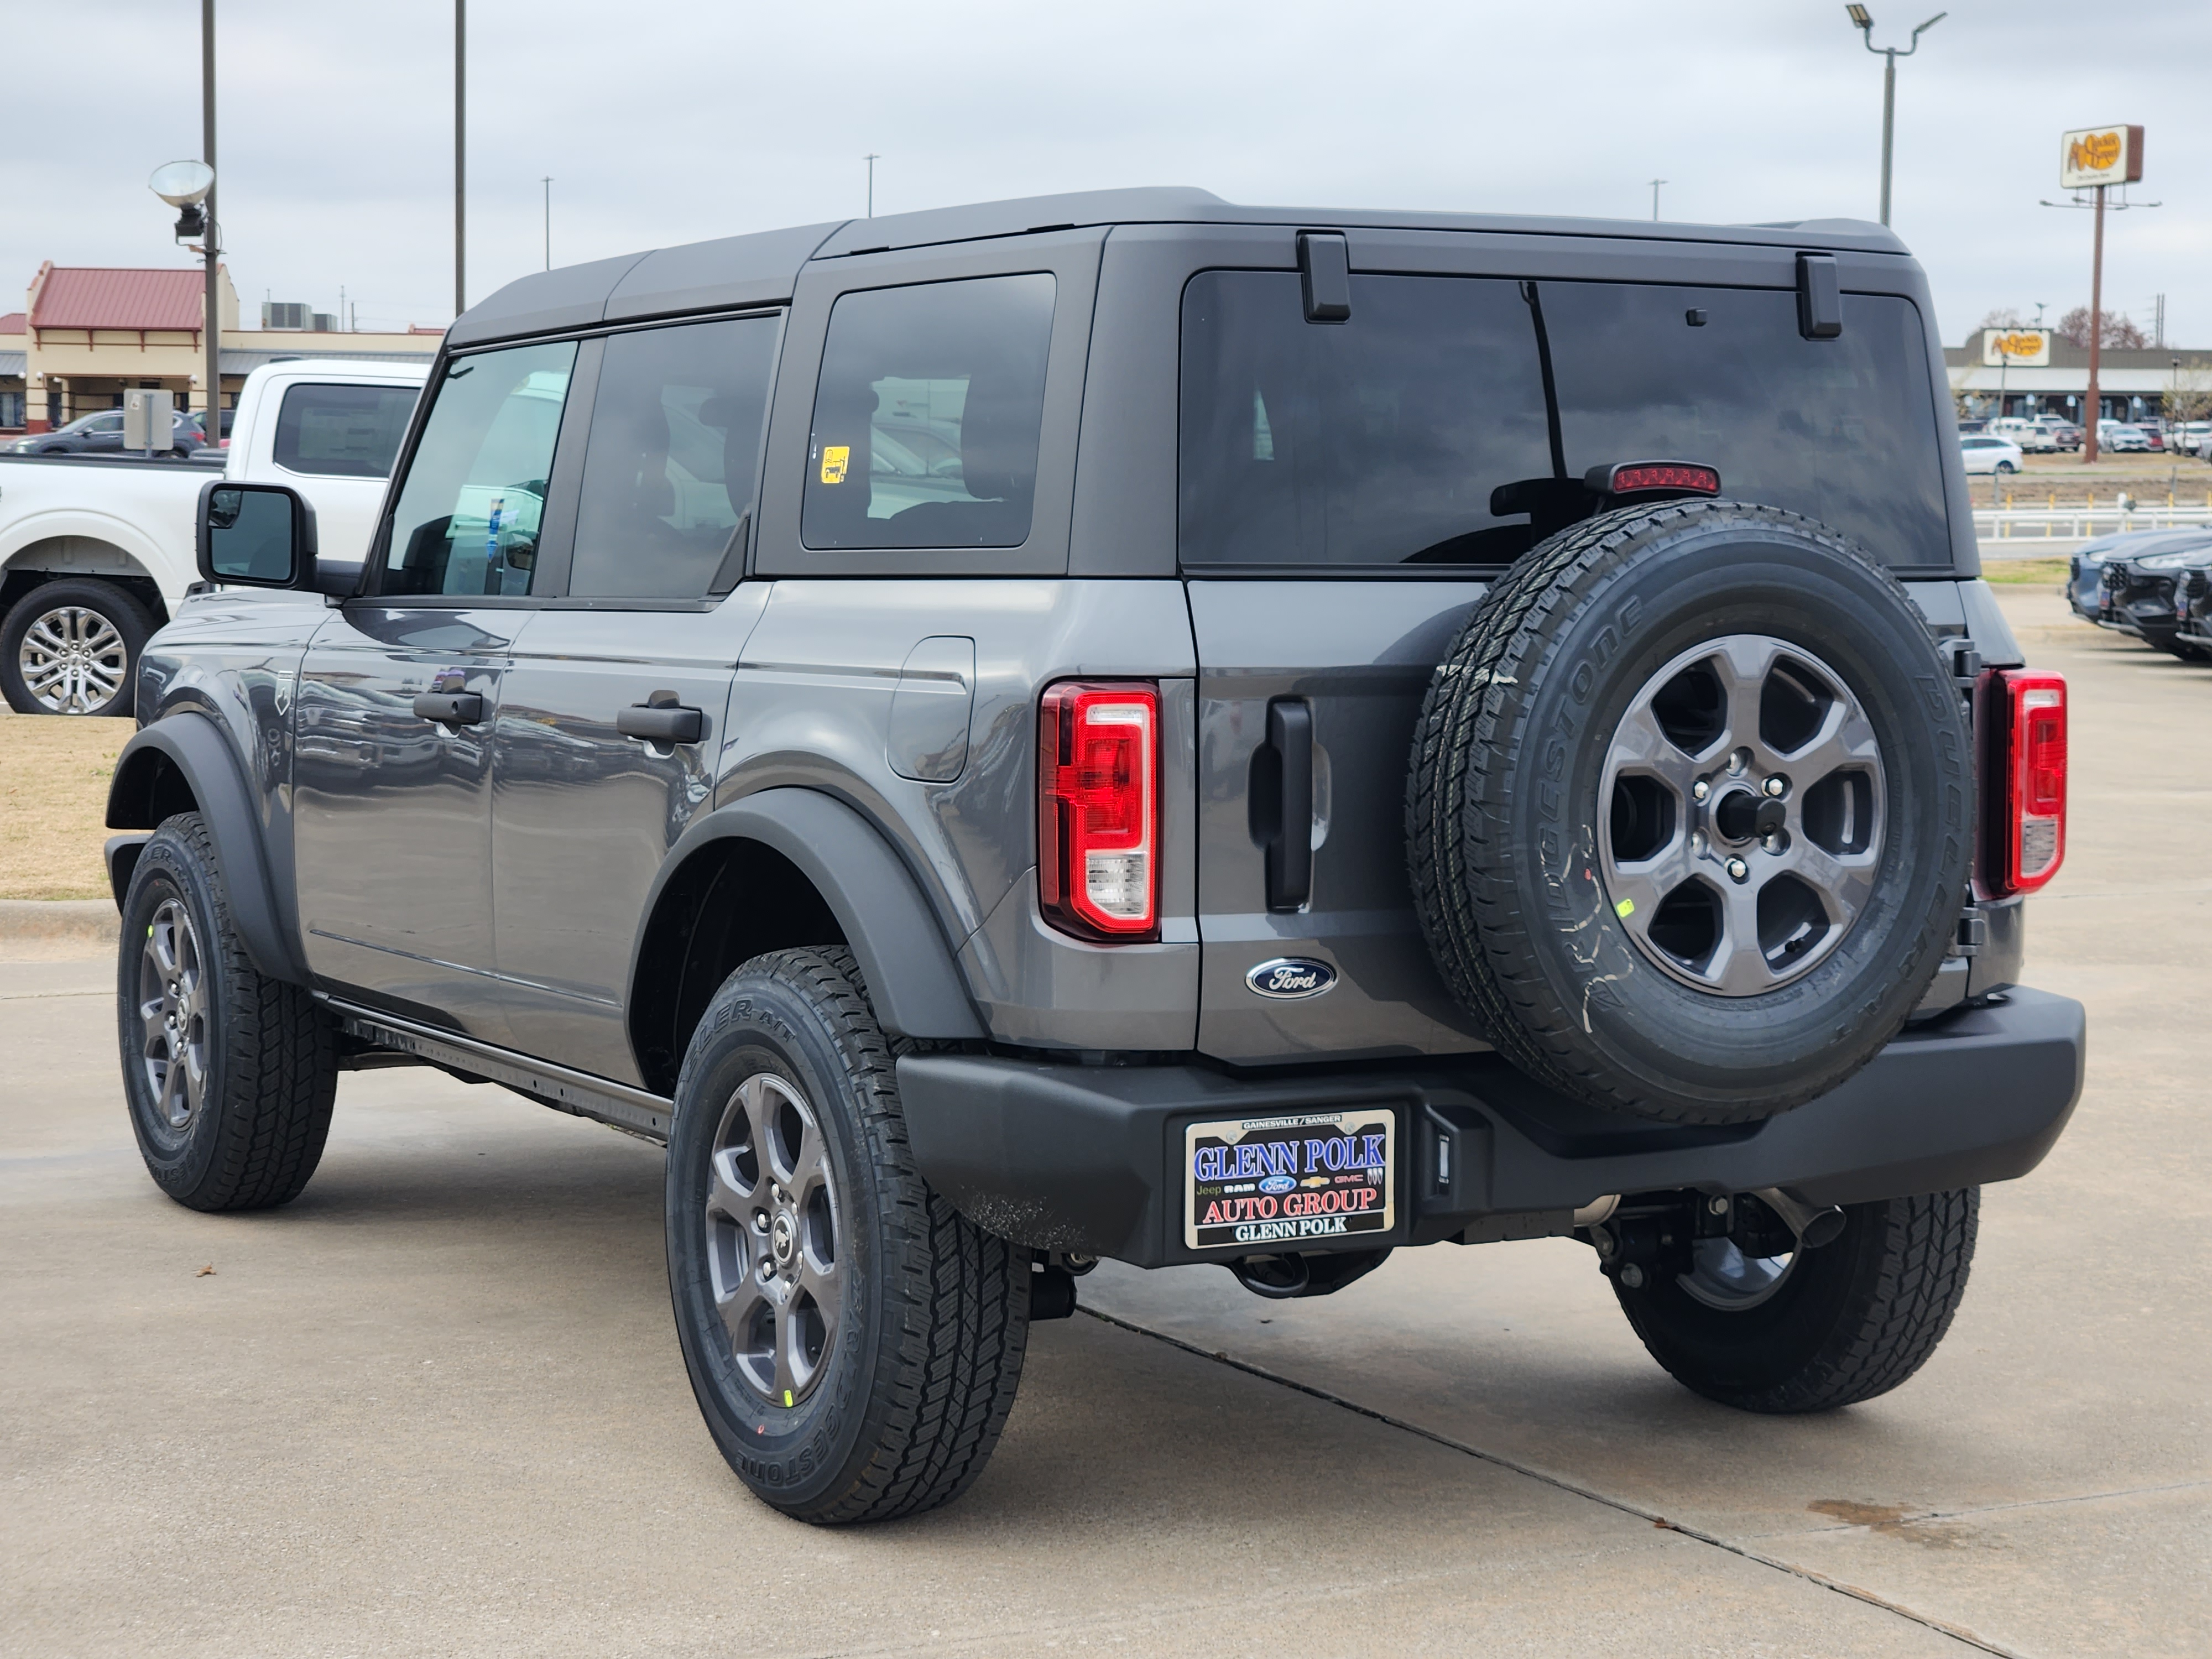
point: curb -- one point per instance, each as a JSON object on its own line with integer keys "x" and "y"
{"x": 88, "y": 922}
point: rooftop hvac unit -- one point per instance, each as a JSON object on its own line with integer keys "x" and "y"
{"x": 284, "y": 313}
{"x": 324, "y": 322}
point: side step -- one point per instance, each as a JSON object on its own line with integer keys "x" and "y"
{"x": 576, "y": 1092}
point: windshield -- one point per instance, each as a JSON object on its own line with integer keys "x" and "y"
{"x": 1380, "y": 440}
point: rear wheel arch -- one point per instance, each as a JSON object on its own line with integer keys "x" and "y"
{"x": 785, "y": 868}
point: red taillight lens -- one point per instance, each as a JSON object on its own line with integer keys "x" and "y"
{"x": 2033, "y": 841}
{"x": 1098, "y": 807}
{"x": 1637, "y": 477}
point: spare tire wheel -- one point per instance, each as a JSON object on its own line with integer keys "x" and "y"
{"x": 1690, "y": 817}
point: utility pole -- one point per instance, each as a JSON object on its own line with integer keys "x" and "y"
{"x": 460, "y": 157}
{"x": 548, "y": 182}
{"x": 1864, "y": 25}
{"x": 1655, "y": 183}
{"x": 872, "y": 158}
{"x": 211, "y": 334}
{"x": 2095, "y": 412}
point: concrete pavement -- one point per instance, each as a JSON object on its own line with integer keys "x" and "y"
{"x": 436, "y": 1406}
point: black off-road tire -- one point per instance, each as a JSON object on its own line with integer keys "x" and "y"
{"x": 1853, "y": 1319}
{"x": 1502, "y": 809}
{"x": 122, "y": 612}
{"x": 910, "y": 1400}
{"x": 270, "y": 1065}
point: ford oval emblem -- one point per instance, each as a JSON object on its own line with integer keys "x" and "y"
{"x": 1290, "y": 979}
{"x": 1278, "y": 1183}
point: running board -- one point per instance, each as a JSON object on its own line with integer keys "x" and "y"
{"x": 576, "y": 1092}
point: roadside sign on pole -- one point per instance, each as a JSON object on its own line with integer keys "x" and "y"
{"x": 2029, "y": 347}
{"x": 2101, "y": 155}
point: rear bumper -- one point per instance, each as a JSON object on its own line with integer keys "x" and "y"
{"x": 1085, "y": 1158}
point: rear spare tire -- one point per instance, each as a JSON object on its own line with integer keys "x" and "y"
{"x": 1691, "y": 811}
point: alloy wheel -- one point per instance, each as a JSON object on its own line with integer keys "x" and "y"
{"x": 774, "y": 1238}
{"x": 1741, "y": 815}
{"x": 73, "y": 659}
{"x": 172, "y": 1013}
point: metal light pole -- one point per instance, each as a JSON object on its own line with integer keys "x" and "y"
{"x": 460, "y": 157}
{"x": 1655, "y": 183}
{"x": 211, "y": 333}
{"x": 1864, "y": 25}
{"x": 548, "y": 182}
{"x": 872, "y": 158}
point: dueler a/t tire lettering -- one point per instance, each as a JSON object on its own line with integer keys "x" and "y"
{"x": 1504, "y": 810}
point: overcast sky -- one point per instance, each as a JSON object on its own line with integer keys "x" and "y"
{"x": 691, "y": 118}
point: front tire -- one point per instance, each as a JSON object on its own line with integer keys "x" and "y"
{"x": 229, "y": 1075}
{"x": 1844, "y": 1322}
{"x": 853, "y": 1342}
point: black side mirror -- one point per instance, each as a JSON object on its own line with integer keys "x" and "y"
{"x": 256, "y": 536}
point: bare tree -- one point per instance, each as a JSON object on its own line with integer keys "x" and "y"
{"x": 2004, "y": 317}
{"x": 2116, "y": 332}
{"x": 2190, "y": 397}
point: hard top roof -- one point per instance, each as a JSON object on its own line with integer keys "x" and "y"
{"x": 761, "y": 268}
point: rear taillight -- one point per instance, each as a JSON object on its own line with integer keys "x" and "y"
{"x": 2030, "y": 842}
{"x": 1098, "y": 808}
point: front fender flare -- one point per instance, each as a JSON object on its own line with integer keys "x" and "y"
{"x": 196, "y": 747}
{"x": 912, "y": 980}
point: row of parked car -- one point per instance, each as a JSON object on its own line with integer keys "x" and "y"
{"x": 2051, "y": 435}
{"x": 101, "y": 433}
{"x": 2153, "y": 584}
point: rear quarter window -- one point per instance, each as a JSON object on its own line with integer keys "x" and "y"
{"x": 1378, "y": 441}
{"x": 343, "y": 431}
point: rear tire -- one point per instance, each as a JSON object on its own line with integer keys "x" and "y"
{"x": 229, "y": 1075}
{"x": 853, "y": 1342}
{"x": 1851, "y": 1320}
{"x": 71, "y": 647}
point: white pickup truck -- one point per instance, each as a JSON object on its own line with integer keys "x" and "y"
{"x": 96, "y": 551}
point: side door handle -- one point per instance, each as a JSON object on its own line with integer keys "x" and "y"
{"x": 453, "y": 708}
{"x": 661, "y": 718}
{"x": 1290, "y": 849}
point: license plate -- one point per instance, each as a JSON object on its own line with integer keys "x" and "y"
{"x": 1281, "y": 1183}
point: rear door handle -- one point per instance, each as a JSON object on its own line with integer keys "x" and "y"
{"x": 1289, "y": 853}
{"x": 454, "y": 709}
{"x": 661, "y": 718}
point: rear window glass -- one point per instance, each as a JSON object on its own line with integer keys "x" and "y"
{"x": 926, "y": 418}
{"x": 343, "y": 431}
{"x": 1379, "y": 440}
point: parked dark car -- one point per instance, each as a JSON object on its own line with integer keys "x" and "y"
{"x": 2192, "y": 607}
{"x": 101, "y": 432}
{"x": 2137, "y": 595}
{"x": 2085, "y": 590}
{"x": 1127, "y": 725}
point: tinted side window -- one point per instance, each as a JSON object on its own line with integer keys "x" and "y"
{"x": 466, "y": 521}
{"x": 674, "y": 452}
{"x": 1379, "y": 440}
{"x": 927, "y": 416}
{"x": 343, "y": 431}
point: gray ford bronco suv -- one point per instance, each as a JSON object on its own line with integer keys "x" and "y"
{"x": 1125, "y": 726}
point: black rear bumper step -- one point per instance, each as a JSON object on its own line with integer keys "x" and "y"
{"x": 1084, "y": 1159}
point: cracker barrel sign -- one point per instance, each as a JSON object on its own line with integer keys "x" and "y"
{"x": 2022, "y": 348}
{"x": 2101, "y": 155}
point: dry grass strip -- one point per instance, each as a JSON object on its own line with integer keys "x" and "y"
{"x": 53, "y": 804}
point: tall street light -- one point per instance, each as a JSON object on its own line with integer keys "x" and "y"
{"x": 1864, "y": 25}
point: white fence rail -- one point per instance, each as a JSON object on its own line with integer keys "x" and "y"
{"x": 2076, "y": 523}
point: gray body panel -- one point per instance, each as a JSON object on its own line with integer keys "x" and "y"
{"x": 870, "y": 717}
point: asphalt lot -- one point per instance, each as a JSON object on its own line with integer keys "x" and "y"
{"x": 436, "y": 1406}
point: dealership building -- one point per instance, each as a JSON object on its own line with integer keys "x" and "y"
{"x": 2026, "y": 371}
{"x": 86, "y": 333}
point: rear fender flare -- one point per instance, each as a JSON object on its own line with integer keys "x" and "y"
{"x": 912, "y": 979}
{"x": 196, "y": 747}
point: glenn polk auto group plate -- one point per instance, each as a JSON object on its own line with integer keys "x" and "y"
{"x": 1283, "y": 1182}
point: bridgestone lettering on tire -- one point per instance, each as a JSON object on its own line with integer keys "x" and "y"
{"x": 1846, "y": 894}
{"x": 855, "y": 1347}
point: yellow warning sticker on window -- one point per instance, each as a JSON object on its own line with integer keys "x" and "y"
{"x": 835, "y": 457}
{"x": 1626, "y": 908}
